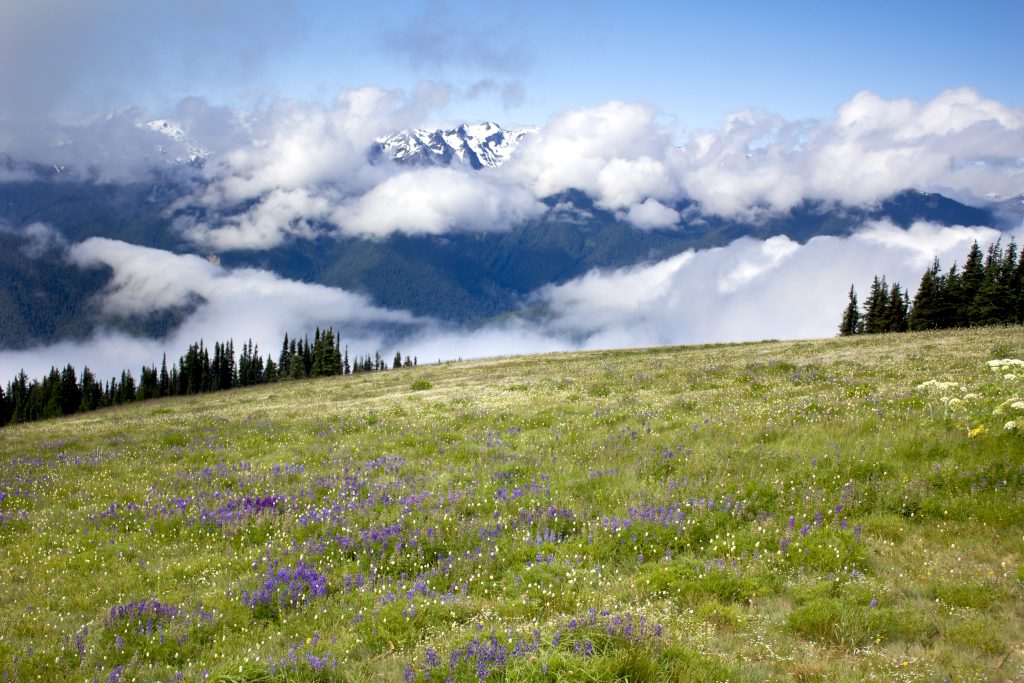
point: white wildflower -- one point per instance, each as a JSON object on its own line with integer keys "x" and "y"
{"x": 1010, "y": 377}
{"x": 937, "y": 385}
{"x": 1010, "y": 426}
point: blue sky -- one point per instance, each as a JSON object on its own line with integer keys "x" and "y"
{"x": 516, "y": 63}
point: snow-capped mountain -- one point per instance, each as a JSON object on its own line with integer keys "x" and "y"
{"x": 484, "y": 145}
{"x": 186, "y": 151}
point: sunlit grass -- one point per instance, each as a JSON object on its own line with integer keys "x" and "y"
{"x": 841, "y": 509}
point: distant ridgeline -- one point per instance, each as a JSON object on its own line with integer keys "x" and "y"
{"x": 988, "y": 291}
{"x": 62, "y": 392}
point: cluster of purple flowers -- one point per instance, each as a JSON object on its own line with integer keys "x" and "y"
{"x": 287, "y": 587}
{"x": 483, "y": 656}
{"x": 303, "y": 655}
{"x": 139, "y": 609}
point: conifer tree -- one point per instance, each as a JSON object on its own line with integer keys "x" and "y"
{"x": 284, "y": 358}
{"x": 971, "y": 280}
{"x": 876, "y": 313}
{"x": 986, "y": 308}
{"x": 70, "y": 392}
{"x": 270, "y": 370}
{"x": 165, "y": 379}
{"x": 92, "y": 392}
{"x": 897, "y": 310}
{"x": 926, "y": 313}
{"x": 848, "y": 325}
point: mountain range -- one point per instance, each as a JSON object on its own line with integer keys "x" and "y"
{"x": 460, "y": 277}
{"x": 485, "y": 145}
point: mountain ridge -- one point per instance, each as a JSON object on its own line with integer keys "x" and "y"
{"x": 479, "y": 146}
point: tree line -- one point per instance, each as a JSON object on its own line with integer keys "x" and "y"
{"x": 199, "y": 370}
{"x": 989, "y": 290}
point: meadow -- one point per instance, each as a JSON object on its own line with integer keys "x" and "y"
{"x": 839, "y": 510}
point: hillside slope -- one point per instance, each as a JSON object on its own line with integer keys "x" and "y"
{"x": 765, "y": 511}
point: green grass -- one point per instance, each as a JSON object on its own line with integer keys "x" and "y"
{"x": 752, "y": 512}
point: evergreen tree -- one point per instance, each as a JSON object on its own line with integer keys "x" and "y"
{"x": 307, "y": 358}
{"x": 51, "y": 394}
{"x": 165, "y": 379}
{"x": 17, "y": 391}
{"x": 1018, "y": 288}
{"x": 284, "y": 359}
{"x": 847, "y": 327}
{"x": 5, "y": 408}
{"x": 149, "y": 384}
{"x": 926, "y": 313}
{"x": 328, "y": 355}
{"x": 987, "y": 307}
{"x": 876, "y": 313}
{"x": 897, "y": 309}
{"x": 971, "y": 281}
{"x": 270, "y": 370}
{"x": 397, "y": 362}
{"x": 91, "y": 390}
{"x": 317, "y": 368}
{"x": 337, "y": 355}
{"x": 70, "y": 392}
{"x": 126, "y": 388}
{"x": 1008, "y": 288}
{"x": 952, "y": 299}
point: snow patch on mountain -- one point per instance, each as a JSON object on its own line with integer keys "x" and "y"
{"x": 184, "y": 151}
{"x": 483, "y": 145}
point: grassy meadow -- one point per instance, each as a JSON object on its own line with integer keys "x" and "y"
{"x": 838, "y": 510}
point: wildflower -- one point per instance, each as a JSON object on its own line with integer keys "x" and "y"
{"x": 977, "y": 431}
{"x": 1010, "y": 426}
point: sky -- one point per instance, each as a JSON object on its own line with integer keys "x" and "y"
{"x": 514, "y": 63}
{"x": 743, "y": 108}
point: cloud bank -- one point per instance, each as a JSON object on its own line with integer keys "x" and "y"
{"x": 309, "y": 173}
{"x": 747, "y": 290}
{"x": 295, "y": 170}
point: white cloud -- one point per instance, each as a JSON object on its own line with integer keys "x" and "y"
{"x": 872, "y": 149}
{"x": 239, "y": 304}
{"x": 748, "y": 290}
{"x": 610, "y": 152}
{"x": 294, "y": 169}
{"x": 434, "y": 201}
{"x": 651, "y": 214}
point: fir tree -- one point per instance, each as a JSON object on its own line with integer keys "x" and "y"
{"x": 851, "y": 316}
{"x": 92, "y": 392}
{"x": 926, "y": 313}
{"x": 987, "y": 307}
{"x": 284, "y": 359}
{"x": 876, "y": 313}
{"x": 971, "y": 280}
{"x": 165, "y": 379}
{"x": 897, "y": 310}
{"x": 270, "y": 370}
